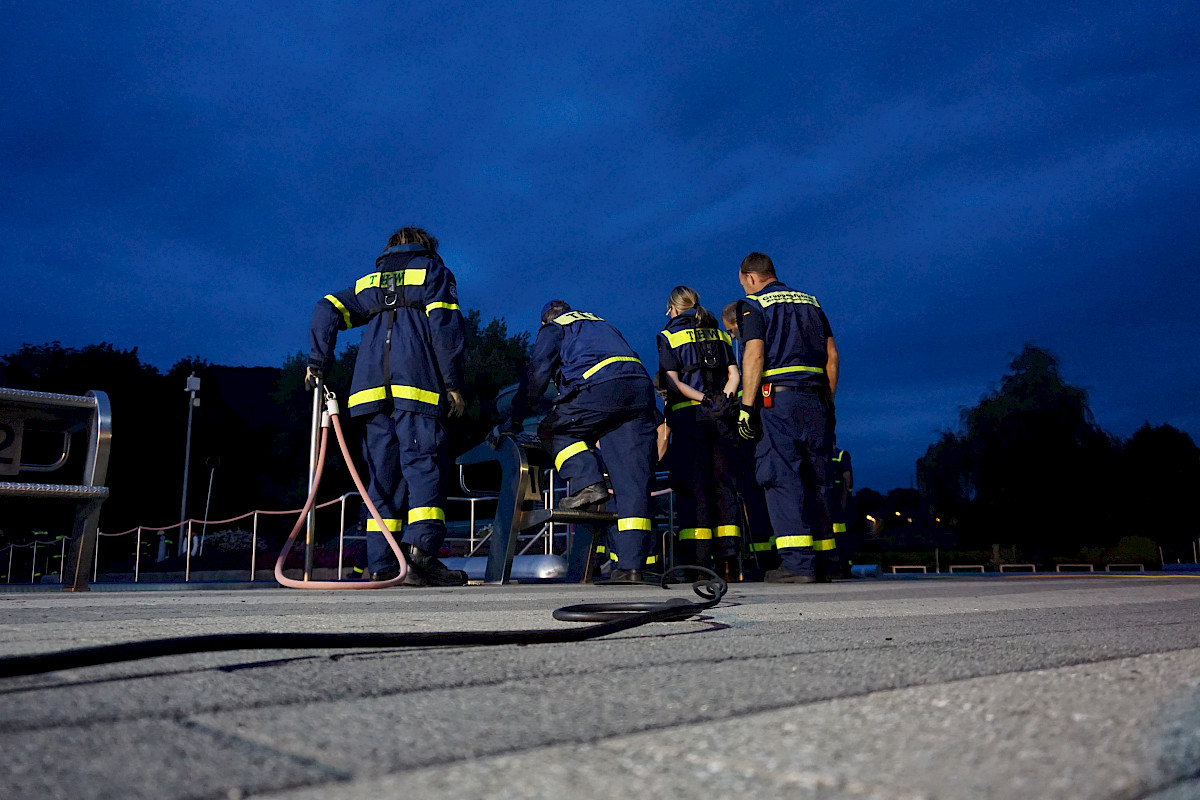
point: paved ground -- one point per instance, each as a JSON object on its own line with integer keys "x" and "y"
{"x": 1014, "y": 687}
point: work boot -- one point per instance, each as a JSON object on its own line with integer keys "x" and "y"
{"x": 424, "y": 569}
{"x": 588, "y": 495}
{"x": 385, "y": 574}
{"x": 781, "y": 575}
{"x": 623, "y": 577}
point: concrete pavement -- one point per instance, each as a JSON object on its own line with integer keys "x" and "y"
{"x": 1048, "y": 686}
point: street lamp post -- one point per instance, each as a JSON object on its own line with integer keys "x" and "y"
{"x": 193, "y": 386}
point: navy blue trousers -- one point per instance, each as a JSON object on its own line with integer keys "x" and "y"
{"x": 409, "y": 464}
{"x": 794, "y": 467}
{"x": 702, "y": 475}
{"x": 619, "y": 415}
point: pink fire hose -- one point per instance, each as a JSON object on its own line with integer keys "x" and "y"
{"x": 330, "y": 416}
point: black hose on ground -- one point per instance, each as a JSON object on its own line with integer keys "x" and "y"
{"x": 616, "y": 617}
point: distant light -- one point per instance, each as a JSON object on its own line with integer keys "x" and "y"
{"x": 898, "y": 514}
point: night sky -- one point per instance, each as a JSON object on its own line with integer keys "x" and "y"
{"x": 950, "y": 181}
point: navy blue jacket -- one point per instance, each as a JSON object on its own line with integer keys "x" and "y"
{"x": 426, "y": 338}
{"x": 682, "y": 348}
{"x": 794, "y": 331}
{"x": 578, "y": 349}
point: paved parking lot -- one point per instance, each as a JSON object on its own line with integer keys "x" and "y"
{"x": 1021, "y": 686}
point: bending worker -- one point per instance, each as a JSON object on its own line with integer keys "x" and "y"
{"x": 790, "y": 372}
{"x": 406, "y": 383}
{"x": 605, "y": 395}
{"x": 701, "y": 379}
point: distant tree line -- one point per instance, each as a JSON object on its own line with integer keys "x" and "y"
{"x": 253, "y": 423}
{"x": 1029, "y": 467}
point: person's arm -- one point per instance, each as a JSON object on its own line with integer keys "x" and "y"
{"x": 752, "y": 370}
{"x": 334, "y": 312}
{"x": 731, "y": 384}
{"x": 537, "y": 373}
{"x": 683, "y": 388}
{"x": 446, "y": 332}
{"x": 831, "y": 365}
{"x": 664, "y": 438}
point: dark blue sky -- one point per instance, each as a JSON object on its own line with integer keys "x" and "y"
{"x": 951, "y": 182}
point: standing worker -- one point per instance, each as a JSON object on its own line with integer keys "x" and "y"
{"x": 701, "y": 379}
{"x": 406, "y": 383}
{"x": 604, "y": 395}
{"x": 789, "y": 376}
{"x": 759, "y": 536}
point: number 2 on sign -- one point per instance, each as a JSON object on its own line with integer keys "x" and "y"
{"x": 10, "y": 445}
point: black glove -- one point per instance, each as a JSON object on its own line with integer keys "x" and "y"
{"x": 749, "y": 425}
{"x": 312, "y": 376}
{"x": 509, "y": 427}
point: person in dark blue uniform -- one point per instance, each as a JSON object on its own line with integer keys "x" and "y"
{"x": 843, "y": 487}
{"x": 759, "y": 535}
{"x": 789, "y": 376}
{"x": 605, "y": 396}
{"x": 701, "y": 378}
{"x": 406, "y": 383}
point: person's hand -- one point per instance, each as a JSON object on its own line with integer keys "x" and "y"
{"x": 457, "y": 404}
{"x": 749, "y": 427}
{"x": 312, "y": 377}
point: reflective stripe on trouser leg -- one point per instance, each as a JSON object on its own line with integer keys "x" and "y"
{"x": 565, "y": 432}
{"x": 407, "y": 454}
{"x": 630, "y": 452}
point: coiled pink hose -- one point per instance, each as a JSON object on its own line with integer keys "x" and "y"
{"x": 330, "y": 416}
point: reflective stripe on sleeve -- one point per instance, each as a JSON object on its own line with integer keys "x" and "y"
{"x": 341, "y": 310}
{"x": 685, "y": 404}
{"x": 567, "y": 452}
{"x": 447, "y": 306}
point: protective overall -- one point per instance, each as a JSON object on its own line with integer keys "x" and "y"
{"x": 605, "y": 396}
{"x": 703, "y": 460}
{"x": 793, "y": 459}
{"x": 409, "y": 359}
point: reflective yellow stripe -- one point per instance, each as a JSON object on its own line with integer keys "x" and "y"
{"x": 695, "y": 533}
{"x": 404, "y": 277}
{"x": 341, "y": 310}
{"x": 680, "y": 338}
{"x": 606, "y": 362}
{"x": 728, "y": 530}
{"x": 787, "y": 296}
{"x": 793, "y": 541}
{"x": 633, "y": 524}
{"x": 612, "y": 556}
{"x": 761, "y": 547}
{"x": 567, "y": 452}
{"x": 575, "y": 316}
{"x": 447, "y": 306}
{"x": 393, "y": 524}
{"x": 685, "y": 404}
{"x": 783, "y": 370}
{"x": 402, "y": 392}
{"x": 425, "y": 513}
{"x": 601, "y": 548}
{"x": 839, "y": 527}
{"x": 824, "y": 544}
{"x": 651, "y": 560}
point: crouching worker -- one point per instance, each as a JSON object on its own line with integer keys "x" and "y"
{"x": 406, "y": 383}
{"x": 604, "y": 395}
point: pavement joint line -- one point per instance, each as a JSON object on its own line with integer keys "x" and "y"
{"x": 304, "y": 701}
{"x": 581, "y": 740}
{"x": 251, "y": 746}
